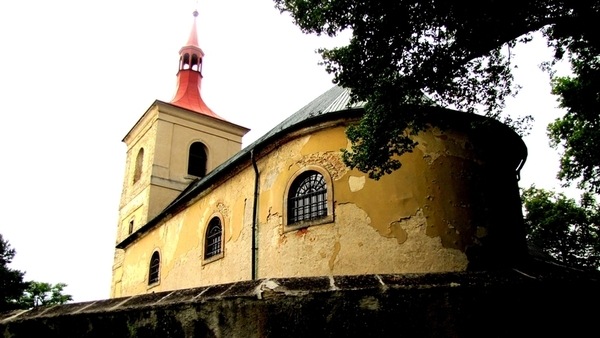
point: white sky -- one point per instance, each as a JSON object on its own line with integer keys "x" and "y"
{"x": 76, "y": 75}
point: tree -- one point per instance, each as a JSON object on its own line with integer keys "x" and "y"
{"x": 43, "y": 294}
{"x": 564, "y": 229}
{"x": 12, "y": 285}
{"x": 578, "y": 132}
{"x": 18, "y": 294}
{"x": 457, "y": 54}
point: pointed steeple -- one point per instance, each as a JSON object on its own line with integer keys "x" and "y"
{"x": 189, "y": 76}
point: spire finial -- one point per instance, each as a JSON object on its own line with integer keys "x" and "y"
{"x": 189, "y": 76}
{"x": 193, "y": 39}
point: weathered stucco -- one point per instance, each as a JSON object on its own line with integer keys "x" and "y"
{"x": 165, "y": 133}
{"x": 424, "y": 217}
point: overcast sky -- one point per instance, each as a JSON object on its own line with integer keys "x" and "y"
{"x": 76, "y": 75}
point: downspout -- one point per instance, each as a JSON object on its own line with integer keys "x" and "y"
{"x": 254, "y": 217}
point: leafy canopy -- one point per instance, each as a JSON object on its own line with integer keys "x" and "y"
{"x": 566, "y": 230}
{"x": 43, "y": 294}
{"x": 578, "y": 132}
{"x": 456, "y": 53}
{"x": 18, "y": 294}
{"x": 12, "y": 285}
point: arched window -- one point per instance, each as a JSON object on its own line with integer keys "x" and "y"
{"x": 307, "y": 198}
{"x": 197, "y": 160}
{"x": 186, "y": 61}
{"x": 154, "y": 271}
{"x": 139, "y": 164}
{"x": 213, "y": 238}
{"x": 195, "y": 62}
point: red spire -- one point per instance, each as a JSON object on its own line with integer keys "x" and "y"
{"x": 189, "y": 76}
{"x": 193, "y": 39}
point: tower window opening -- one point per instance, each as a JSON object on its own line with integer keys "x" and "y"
{"x": 154, "y": 270}
{"x": 186, "y": 61}
{"x": 195, "y": 62}
{"x": 197, "y": 160}
{"x": 130, "y": 230}
{"x": 213, "y": 240}
{"x": 139, "y": 164}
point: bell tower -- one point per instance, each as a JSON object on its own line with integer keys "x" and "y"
{"x": 170, "y": 146}
{"x": 173, "y": 144}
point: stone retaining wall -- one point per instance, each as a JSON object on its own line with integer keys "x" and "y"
{"x": 505, "y": 303}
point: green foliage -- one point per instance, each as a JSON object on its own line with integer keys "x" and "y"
{"x": 578, "y": 132}
{"x": 132, "y": 330}
{"x": 371, "y": 153}
{"x": 18, "y": 294}
{"x": 12, "y": 285}
{"x": 44, "y": 294}
{"x": 566, "y": 230}
{"x": 456, "y": 53}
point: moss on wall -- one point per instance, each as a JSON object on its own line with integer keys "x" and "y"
{"x": 474, "y": 304}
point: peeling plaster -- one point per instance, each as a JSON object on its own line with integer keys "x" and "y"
{"x": 331, "y": 161}
{"x": 435, "y": 143}
{"x": 396, "y": 231}
{"x": 270, "y": 177}
{"x": 420, "y": 218}
{"x": 419, "y": 253}
{"x": 336, "y": 250}
{"x": 274, "y": 218}
{"x": 356, "y": 183}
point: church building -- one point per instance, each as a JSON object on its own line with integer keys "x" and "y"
{"x": 198, "y": 210}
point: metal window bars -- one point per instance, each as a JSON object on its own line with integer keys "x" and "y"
{"x": 308, "y": 198}
{"x": 153, "y": 274}
{"x": 213, "y": 238}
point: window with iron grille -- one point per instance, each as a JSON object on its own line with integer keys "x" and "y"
{"x": 307, "y": 199}
{"x": 154, "y": 271}
{"x": 214, "y": 236}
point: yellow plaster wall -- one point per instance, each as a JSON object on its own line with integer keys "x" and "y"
{"x": 218, "y": 150}
{"x": 166, "y": 139}
{"x": 421, "y": 218}
{"x": 135, "y": 195}
{"x": 165, "y": 133}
